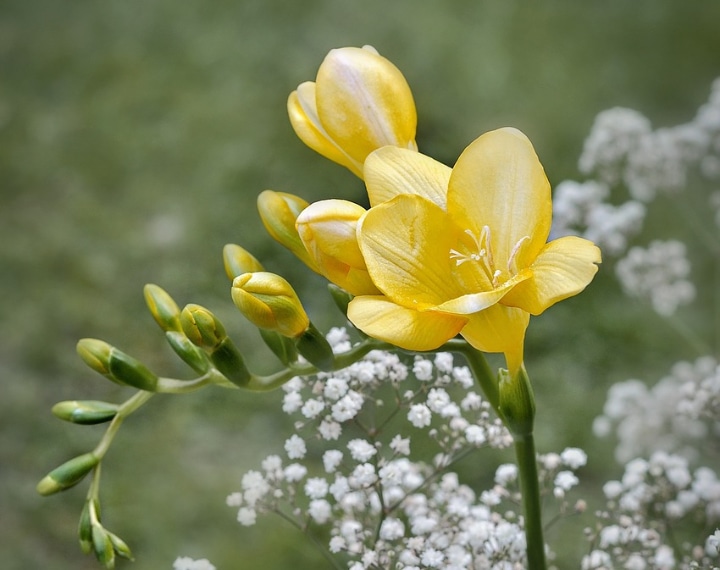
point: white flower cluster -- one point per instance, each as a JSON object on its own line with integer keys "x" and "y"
{"x": 623, "y": 147}
{"x": 676, "y": 415}
{"x": 580, "y": 208}
{"x": 657, "y": 274}
{"x": 635, "y": 531}
{"x": 384, "y": 509}
{"x": 186, "y": 563}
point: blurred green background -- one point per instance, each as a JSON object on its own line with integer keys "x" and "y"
{"x": 134, "y": 137}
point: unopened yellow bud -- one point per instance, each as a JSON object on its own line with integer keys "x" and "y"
{"x": 116, "y": 365}
{"x": 202, "y": 327}
{"x": 162, "y": 307}
{"x": 278, "y": 212}
{"x": 269, "y": 302}
{"x": 359, "y": 102}
{"x": 238, "y": 260}
{"x": 328, "y": 229}
{"x": 68, "y": 474}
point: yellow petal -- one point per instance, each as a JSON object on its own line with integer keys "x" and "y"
{"x": 364, "y": 102}
{"x": 328, "y": 232}
{"x": 406, "y": 244}
{"x": 563, "y": 268}
{"x": 382, "y": 319}
{"x": 498, "y": 181}
{"x": 306, "y": 124}
{"x": 390, "y": 171}
{"x": 475, "y": 302}
{"x": 499, "y": 329}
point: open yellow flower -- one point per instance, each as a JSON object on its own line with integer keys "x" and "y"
{"x": 464, "y": 251}
{"x": 359, "y": 102}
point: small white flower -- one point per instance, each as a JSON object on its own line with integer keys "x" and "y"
{"x": 506, "y": 473}
{"x": 335, "y": 388}
{"x": 337, "y": 544}
{"x": 419, "y": 415}
{"x": 234, "y": 500}
{"x": 295, "y": 472}
{"x": 347, "y": 407}
{"x": 392, "y": 529}
{"x": 463, "y": 376}
{"x": 292, "y": 401}
{"x": 271, "y": 463}
{"x": 331, "y": 460}
{"x": 423, "y": 369}
{"x": 361, "y": 450}
{"x": 471, "y": 401}
{"x": 312, "y": 408}
{"x": 432, "y": 558}
{"x": 186, "y": 563}
{"x": 246, "y": 516}
{"x": 565, "y": 480}
{"x": 475, "y": 435}
{"x": 320, "y": 511}
{"x": 295, "y": 447}
{"x": 444, "y": 361}
{"x": 363, "y": 476}
{"x": 329, "y": 430}
{"x": 574, "y": 457}
{"x": 437, "y": 399}
{"x": 400, "y": 445}
{"x": 316, "y": 487}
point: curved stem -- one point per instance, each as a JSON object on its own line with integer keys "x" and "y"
{"x": 481, "y": 370}
{"x": 530, "y": 489}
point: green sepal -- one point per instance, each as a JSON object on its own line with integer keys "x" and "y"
{"x": 131, "y": 372}
{"x": 68, "y": 474}
{"x": 228, "y": 360}
{"x": 103, "y": 546}
{"x": 282, "y": 346}
{"x": 316, "y": 349}
{"x": 516, "y": 402}
{"x": 191, "y": 354}
{"x": 85, "y": 412}
{"x": 341, "y": 297}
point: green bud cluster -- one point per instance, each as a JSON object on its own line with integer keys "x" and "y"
{"x": 97, "y": 539}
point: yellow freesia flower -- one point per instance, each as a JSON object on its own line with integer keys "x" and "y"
{"x": 464, "y": 250}
{"x": 358, "y": 103}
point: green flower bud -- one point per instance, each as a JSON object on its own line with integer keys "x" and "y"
{"x": 517, "y": 402}
{"x": 278, "y": 212}
{"x": 120, "y": 546}
{"x": 86, "y": 412}
{"x": 316, "y": 349}
{"x": 191, "y": 354}
{"x": 283, "y": 347}
{"x": 85, "y": 528}
{"x": 68, "y": 474}
{"x": 103, "y": 546}
{"x": 202, "y": 327}
{"x": 269, "y": 302}
{"x": 116, "y": 365}
{"x": 162, "y": 307}
{"x": 238, "y": 260}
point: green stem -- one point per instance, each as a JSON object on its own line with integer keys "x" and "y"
{"x": 480, "y": 368}
{"x": 530, "y": 489}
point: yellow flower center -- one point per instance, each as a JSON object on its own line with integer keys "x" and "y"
{"x": 481, "y": 252}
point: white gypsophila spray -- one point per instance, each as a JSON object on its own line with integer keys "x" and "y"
{"x": 186, "y": 563}
{"x": 676, "y": 415}
{"x": 657, "y": 274}
{"x": 384, "y": 506}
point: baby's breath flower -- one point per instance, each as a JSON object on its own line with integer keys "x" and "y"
{"x": 419, "y": 415}
{"x": 295, "y": 447}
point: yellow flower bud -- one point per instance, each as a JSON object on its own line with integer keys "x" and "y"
{"x": 96, "y": 354}
{"x": 278, "y": 212}
{"x": 328, "y": 230}
{"x": 202, "y": 327}
{"x": 358, "y": 103}
{"x": 269, "y": 302}
{"x": 238, "y": 260}
{"x": 162, "y": 307}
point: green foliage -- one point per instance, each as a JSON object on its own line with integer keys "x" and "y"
{"x": 134, "y": 139}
